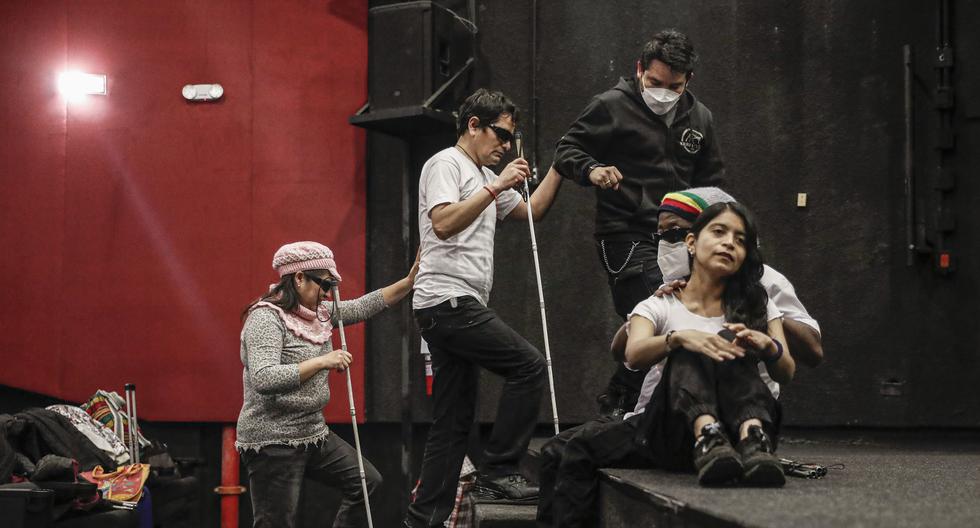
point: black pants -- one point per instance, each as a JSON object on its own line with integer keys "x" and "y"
{"x": 461, "y": 339}
{"x": 693, "y": 385}
{"x": 569, "y": 474}
{"x": 662, "y": 436}
{"x": 276, "y": 473}
{"x": 631, "y": 271}
{"x": 633, "y": 275}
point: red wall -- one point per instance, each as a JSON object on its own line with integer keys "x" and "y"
{"x": 134, "y": 227}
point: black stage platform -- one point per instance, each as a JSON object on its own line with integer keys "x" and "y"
{"x": 889, "y": 479}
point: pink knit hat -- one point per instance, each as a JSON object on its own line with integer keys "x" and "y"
{"x": 304, "y": 256}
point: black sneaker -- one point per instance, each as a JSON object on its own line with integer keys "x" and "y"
{"x": 513, "y": 488}
{"x": 715, "y": 460}
{"x": 761, "y": 467}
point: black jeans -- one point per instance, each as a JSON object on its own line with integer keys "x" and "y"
{"x": 633, "y": 275}
{"x": 463, "y": 335}
{"x": 693, "y": 385}
{"x": 570, "y": 463}
{"x": 631, "y": 271}
{"x": 276, "y": 473}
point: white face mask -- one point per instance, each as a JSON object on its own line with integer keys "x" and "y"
{"x": 674, "y": 260}
{"x": 660, "y": 100}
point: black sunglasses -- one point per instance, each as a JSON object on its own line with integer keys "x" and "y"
{"x": 323, "y": 282}
{"x": 504, "y": 135}
{"x": 672, "y": 236}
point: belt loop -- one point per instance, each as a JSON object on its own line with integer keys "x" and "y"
{"x": 453, "y": 303}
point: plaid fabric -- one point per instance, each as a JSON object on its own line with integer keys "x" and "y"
{"x": 106, "y": 408}
{"x": 462, "y": 514}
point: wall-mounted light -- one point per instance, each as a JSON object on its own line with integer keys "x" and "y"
{"x": 202, "y": 92}
{"x": 75, "y": 84}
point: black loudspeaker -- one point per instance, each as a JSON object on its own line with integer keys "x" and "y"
{"x": 415, "y": 48}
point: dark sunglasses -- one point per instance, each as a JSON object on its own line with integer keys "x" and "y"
{"x": 504, "y": 135}
{"x": 323, "y": 282}
{"x": 672, "y": 236}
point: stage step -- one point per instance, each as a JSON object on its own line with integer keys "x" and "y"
{"x": 882, "y": 478}
{"x": 490, "y": 515}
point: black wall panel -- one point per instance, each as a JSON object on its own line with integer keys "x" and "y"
{"x": 808, "y": 98}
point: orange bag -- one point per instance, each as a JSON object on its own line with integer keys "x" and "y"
{"x": 123, "y": 484}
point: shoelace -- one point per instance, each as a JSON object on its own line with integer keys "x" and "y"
{"x": 517, "y": 479}
{"x": 711, "y": 436}
{"x": 764, "y": 443}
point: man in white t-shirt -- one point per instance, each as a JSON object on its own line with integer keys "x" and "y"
{"x": 460, "y": 202}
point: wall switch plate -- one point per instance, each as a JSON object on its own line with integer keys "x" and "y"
{"x": 801, "y": 199}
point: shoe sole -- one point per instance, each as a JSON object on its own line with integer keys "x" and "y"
{"x": 764, "y": 476}
{"x": 720, "y": 471}
{"x": 486, "y": 495}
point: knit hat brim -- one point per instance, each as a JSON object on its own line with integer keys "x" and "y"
{"x": 304, "y": 256}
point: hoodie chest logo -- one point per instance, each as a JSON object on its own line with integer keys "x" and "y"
{"x": 691, "y": 140}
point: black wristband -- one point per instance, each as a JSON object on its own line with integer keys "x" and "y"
{"x": 779, "y": 353}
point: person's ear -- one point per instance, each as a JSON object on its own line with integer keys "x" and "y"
{"x": 689, "y": 241}
{"x": 639, "y": 70}
{"x": 473, "y": 125}
{"x": 298, "y": 278}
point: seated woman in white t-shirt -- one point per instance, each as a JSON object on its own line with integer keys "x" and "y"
{"x": 714, "y": 387}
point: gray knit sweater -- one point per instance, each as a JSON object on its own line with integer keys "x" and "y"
{"x": 278, "y": 409}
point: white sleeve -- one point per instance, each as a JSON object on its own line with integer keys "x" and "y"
{"x": 654, "y": 309}
{"x": 439, "y": 184}
{"x": 782, "y": 293}
{"x": 772, "y": 312}
{"x": 507, "y": 201}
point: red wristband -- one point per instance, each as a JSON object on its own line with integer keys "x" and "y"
{"x": 489, "y": 190}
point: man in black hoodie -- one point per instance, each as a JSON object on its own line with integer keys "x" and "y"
{"x": 645, "y": 137}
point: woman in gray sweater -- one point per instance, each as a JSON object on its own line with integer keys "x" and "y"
{"x": 286, "y": 352}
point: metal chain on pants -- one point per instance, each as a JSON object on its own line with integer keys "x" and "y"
{"x": 605, "y": 259}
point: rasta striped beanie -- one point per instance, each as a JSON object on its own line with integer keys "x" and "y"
{"x": 688, "y": 204}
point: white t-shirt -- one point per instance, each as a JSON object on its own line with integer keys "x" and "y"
{"x": 669, "y": 313}
{"x": 782, "y": 293}
{"x": 461, "y": 265}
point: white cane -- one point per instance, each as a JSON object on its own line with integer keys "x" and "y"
{"x": 353, "y": 412}
{"x": 537, "y": 274}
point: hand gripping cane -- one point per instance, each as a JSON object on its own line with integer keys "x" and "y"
{"x": 537, "y": 273}
{"x": 353, "y": 412}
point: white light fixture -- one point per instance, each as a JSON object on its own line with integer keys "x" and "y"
{"x": 202, "y": 92}
{"x": 75, "y": 84}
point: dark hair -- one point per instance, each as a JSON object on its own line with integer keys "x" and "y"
{"x": 283, "y": 295}
{"x": 485, "y": 105}
{"x": 672, "y": 48}
{"x": 744, "y": 297}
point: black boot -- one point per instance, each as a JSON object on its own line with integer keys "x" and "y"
{"x": 761, "y": 467}
{"x": 506, "y": 488}
{"x": 715, "y": 460}
{"x": 622, "y": 391}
